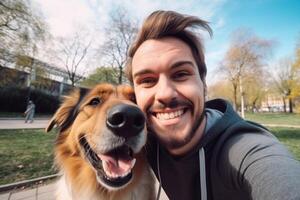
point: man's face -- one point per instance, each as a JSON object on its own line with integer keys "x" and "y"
{"x": 168, "y": 89}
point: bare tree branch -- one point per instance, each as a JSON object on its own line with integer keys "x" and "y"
{"x": 121, "y": 33}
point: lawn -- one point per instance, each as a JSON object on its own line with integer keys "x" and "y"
{"x": 27, "y": 154}
{"x": 290, "y": 137}
{"x": 274, "y": 118}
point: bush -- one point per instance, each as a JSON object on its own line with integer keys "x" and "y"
{"x": 14, "y": 99}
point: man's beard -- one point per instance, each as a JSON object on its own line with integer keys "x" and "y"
{"x": 173, "y": 144}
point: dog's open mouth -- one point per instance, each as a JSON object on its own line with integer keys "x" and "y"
{"x": 113, "y": 168}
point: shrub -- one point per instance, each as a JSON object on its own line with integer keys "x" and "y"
{"x": 14, "y": 99}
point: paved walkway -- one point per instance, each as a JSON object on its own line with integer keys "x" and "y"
{"x": 6, "y": 123}
{"x": 45, "y": 192}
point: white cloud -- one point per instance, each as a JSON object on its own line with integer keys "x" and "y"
{"x": 220, "y": 23}
{"x": 63, "y": 17}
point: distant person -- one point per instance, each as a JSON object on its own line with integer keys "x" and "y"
{"x": 29, "y": 113}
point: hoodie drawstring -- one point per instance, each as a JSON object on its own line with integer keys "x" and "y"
{"x": 158, "y": 171}
{"x": 202, "y": 174}
{"x": 203, "y": 187}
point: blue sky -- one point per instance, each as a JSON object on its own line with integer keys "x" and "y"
{"x": 277, "y": 20}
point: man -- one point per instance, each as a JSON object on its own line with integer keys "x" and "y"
{"x": 29, "y": 113}
{"x": 197, "y": 149}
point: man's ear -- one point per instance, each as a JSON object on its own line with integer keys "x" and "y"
{"x": 67, "y": 112}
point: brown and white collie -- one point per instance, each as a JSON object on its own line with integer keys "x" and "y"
{"x": 99, "y": 146}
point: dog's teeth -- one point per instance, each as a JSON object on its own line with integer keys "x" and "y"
{"x": 125, "y": 174}
{"x": 133, "y": 163}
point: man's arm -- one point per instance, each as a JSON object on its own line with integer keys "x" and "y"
{"x": 260, "y": 165}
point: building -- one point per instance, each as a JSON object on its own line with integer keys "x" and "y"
{"x": 25, "y": 71}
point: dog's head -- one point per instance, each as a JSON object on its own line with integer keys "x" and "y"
{"x": 106, "y": 128}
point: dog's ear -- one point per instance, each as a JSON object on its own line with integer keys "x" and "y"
{"x": 68, "y": 111}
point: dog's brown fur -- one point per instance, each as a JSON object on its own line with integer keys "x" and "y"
{"x": 76, "y": 119}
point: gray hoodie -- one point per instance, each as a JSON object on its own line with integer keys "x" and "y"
{"x": 235, "y": 159}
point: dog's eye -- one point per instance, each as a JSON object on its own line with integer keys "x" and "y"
{"x": 95, "y": 101}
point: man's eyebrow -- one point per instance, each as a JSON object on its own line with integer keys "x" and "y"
{"x": 142, "y": 72}
{"x": 180, "y": 63}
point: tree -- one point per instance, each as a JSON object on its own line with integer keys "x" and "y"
{"x": 120, "y": 34}
{"x": 220, "y": 89}
{"x": 18, "y": 21}
{"x": 72, "y": 52}
{"x": 21, "y": 29}
{"x": 101, "y": 74}
{"x": 286, "y": 81}
{"x": 296, "y": 68}
{"x": 246, "y": 54}
{"x": 254, "y": 90}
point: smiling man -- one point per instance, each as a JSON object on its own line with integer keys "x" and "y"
{"x": 197, "y": 149}
{"x": 165, "y": 80}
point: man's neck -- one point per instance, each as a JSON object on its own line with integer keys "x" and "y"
{"x": 193, "y": 142}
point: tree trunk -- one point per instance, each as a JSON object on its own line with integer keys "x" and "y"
{"x": 291, "y": 104}
{"x": 284, "y": 104}
{"x": 242, "y": 99}
{"x": 254, "y": 109}
{"x": 235, "y": 97}
{"x": 120, "y": 75}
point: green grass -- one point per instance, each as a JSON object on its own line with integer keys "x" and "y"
{"x": 274, "y": 118}
{"x": 25, "y": 154}
{"x": 290, "y": 137}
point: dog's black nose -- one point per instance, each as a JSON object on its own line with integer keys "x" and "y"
{"x": 125, "y": 120}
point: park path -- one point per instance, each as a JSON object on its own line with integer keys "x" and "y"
{"x": 15, "y": 123}
{"x": 282, "y": 125}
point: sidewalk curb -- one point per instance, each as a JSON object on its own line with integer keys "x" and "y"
{"x": 11, "y": 186}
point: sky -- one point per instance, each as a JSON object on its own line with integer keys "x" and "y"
{"x": 276, "y": 20}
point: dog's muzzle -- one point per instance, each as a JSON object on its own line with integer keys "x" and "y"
{"x": 125, "y": 120}
{"x": 114, "y": 166}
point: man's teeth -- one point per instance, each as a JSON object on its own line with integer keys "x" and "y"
{"x": 169, "y": 115}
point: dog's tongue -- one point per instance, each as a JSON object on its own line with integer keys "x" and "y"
{"x": 117, "y": 164}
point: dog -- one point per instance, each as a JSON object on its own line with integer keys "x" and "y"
{"x": 99, "y": 148}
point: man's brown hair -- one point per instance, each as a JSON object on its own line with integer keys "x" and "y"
{"x": 161, "y": 24}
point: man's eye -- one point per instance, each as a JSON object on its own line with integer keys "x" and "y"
{"x": 181, "y": 75}
{"x": 147, "y": 82}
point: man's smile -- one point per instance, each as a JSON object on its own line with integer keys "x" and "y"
{"x": 169, "y": 115}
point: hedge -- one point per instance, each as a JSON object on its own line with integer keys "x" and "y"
{"x": 14, "y": 99}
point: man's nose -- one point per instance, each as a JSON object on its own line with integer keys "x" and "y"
{"x": 166, "y": 91}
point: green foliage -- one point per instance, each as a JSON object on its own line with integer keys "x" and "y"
{"x": 101, "y": 74}
{"x": 14, "y": 99}
{"x": 30, "y": 156}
